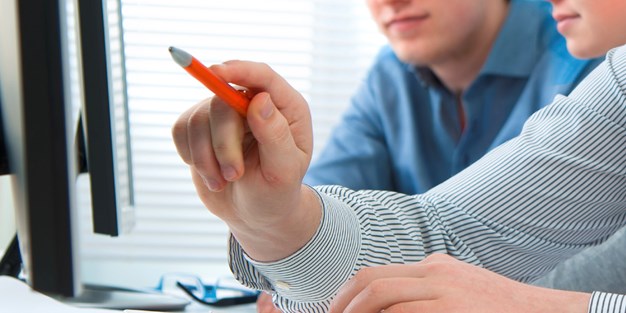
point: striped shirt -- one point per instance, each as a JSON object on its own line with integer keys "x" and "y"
{"x": 529, "y": 204}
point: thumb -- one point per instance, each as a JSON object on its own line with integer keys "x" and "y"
{"x": 279, "y": 155}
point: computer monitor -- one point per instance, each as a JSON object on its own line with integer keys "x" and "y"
{"x": 105, "y": 121}
{"x": 47, "y": 145}
{"x": 38, "y": 133}
{"x": 40, "y": 129}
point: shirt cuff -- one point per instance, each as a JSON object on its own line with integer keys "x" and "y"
{"x": 604, "y": 302}
{"x": 316, "y": 271}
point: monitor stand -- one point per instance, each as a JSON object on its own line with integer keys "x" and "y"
{"x": 11, "y": 263}
{"x": 104, "y": 297}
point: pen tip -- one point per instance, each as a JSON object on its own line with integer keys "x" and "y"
{"x": 181, "y": 57}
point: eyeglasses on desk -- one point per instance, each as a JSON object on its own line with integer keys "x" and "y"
{"x": 225, "y": 291}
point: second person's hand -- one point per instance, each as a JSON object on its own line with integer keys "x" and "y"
{"x": 441, "y": 283}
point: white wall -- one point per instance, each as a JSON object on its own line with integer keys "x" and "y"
{"x": 7, "y": 219}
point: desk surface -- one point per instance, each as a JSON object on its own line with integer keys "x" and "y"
{"x": 16, "y": 296}
{"x": 244, "y": 308}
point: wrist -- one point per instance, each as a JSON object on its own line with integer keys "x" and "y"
{"x": 273, "y": 240}
{"x": 553, "y": 300}
{"x": 574, "y": 302}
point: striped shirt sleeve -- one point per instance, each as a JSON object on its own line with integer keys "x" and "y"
{"x": 529, "y": 204}
{"x": 602, "y": 302}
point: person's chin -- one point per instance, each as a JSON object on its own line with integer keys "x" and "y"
{"x": 412, "y": 53}
{"x": 585, "y": 50}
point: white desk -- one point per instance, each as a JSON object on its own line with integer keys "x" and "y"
{"x": 244, "y": 308}
{"x": 18, "y": 297}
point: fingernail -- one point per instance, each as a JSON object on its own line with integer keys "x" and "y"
{"x": 267, "y": 109}
{"x": 212, "y": 184}
{"x": 204, "y": 180}
{"x": 229, "y": 173}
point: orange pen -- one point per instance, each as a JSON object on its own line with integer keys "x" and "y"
{"x": 233, "y": 97}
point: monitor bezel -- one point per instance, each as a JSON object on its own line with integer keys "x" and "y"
{"x": 39, "y": 137}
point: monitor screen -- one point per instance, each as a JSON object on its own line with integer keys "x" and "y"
{"x": 40, "y": 129}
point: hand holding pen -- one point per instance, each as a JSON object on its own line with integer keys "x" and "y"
{"x": 248, "y": 171}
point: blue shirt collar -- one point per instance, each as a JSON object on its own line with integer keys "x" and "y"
{"x": 522, "y": 36}
{"x": 426, "y": 77}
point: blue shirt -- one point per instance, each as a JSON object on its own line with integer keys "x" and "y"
{"x": 402, "y": 131}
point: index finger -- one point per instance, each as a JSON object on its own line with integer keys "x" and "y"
{"x": 353, "y": 287}
{"x": 259, "y": 77}
{"x": 384, "y": 293}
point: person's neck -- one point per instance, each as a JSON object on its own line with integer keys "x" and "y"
{"x": 458, "y": 72}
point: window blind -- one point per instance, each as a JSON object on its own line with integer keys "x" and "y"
{"x": 322, "y": 47}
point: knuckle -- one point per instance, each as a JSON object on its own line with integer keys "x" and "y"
{"x": 438, "y": 257}
{"x": 434, "y": 267}
{"x": 279, "y": 133}
{"x": 218, "y": 108}
{"x": 220, "y": 147}
{"x": 197, "y": 118}
{"x": 264, "y": 66}
{"x": 179, "y": 135}
{"x": 444, "y": 270}
{"x": 377, "y": 287}
{"x": 179, "y": 127}
{"x": 202, "y": 166}
{"x": 363, "y": 276}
